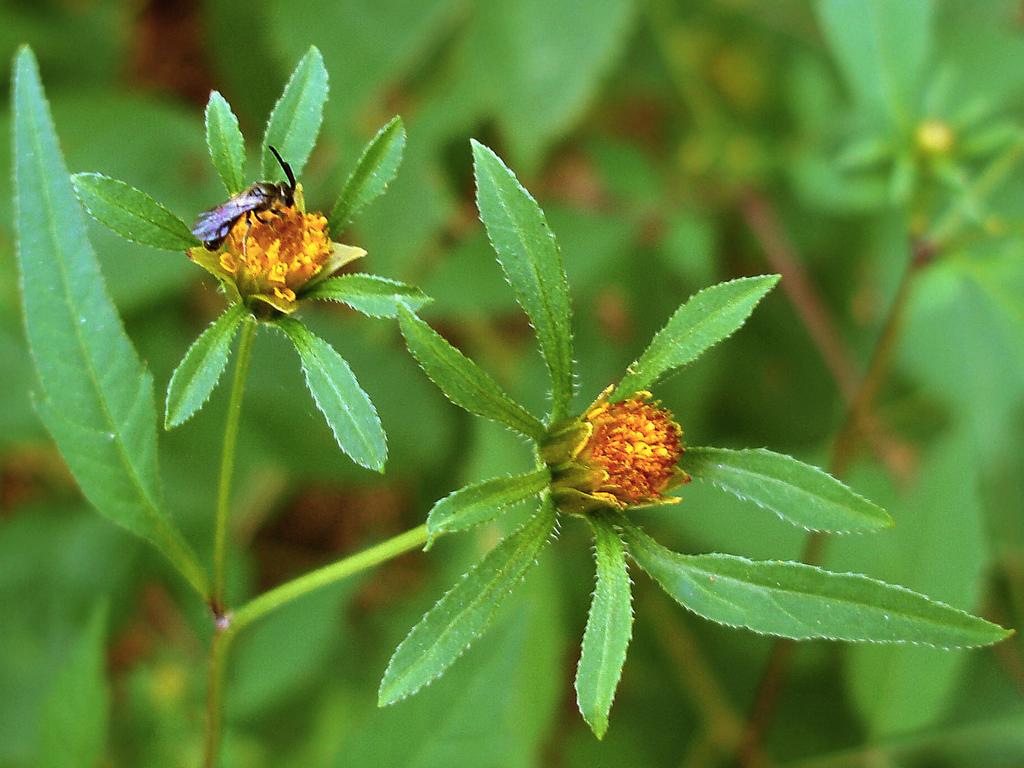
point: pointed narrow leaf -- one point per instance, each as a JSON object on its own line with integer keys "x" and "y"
{"x": 132, "y": 213}
{"x": 705, "y": 319}
{"x": 447, "y": 629}
{"x": 803, "y": 602}
{"x": 199, "y": 371}
{"x": 344, "y": 404}
{"x": 375, "y": 169}
{"x": 479, "y": 503}
{"x": 76, "y": 711}
{"x": 295, "y": 120}
{"x": 96, "y": 396}
{"x": 609, "y": 629}
{"x": 798, "y": 493}
{"x": 372, "y": 295}
{"x": 225, "y": 142}
{"x": 532, "y": 263}
{"x": 462, "y": 380}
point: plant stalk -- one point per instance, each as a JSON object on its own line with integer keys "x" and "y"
{"x": 214, "y": 696}
{"x": 924, "y": 251}
{"x": 770, "y": 686}
{"x": 227, "y": 467}
{"x": 228, "y": 625}
{"x": 326, "y": 575}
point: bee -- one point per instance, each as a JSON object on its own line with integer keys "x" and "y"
{"x": 212, "y": 226}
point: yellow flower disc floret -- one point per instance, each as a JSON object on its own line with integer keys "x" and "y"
{"x": 637, "y": 444}
{"x": 617, "y": 454}
{"x": 274, "y": 253}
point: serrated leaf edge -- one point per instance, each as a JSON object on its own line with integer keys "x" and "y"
{"x": 236, "y": 323}
{"x": 625, "y": 526}
{"x": 619, "y": 393}
{"x": 158, "y": 225}
{"x": 264, "y": 147}
{"x": 559, "y": 403}
{"x": 434, "y": 532}
{"x": 381, "y": 699}
{"x": 534, "y": 434}
{"x": 601, "y": 728}
{"x": 335, "y": 226}
{"x": 836, "y": 531}
{"x": 318, "y": 294}
{"x": 214, "y": 95}
{"x": 282, "y": 326}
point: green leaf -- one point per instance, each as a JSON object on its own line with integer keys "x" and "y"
{"x": 97, "y": 397}
{"x": 798, "y": 493}
{"x": 199, "y": 371}
{"x": 706, "y": 318}
{"x": 532, "y": 263}
{"x": 803, "y": 602}
{"x": 903, "y": 689}
{"x": 482, "y": 502}
{"x": 375, "y": 169}
{"x": 370, "y": 294}
{"x": 225, "y": 142}
{"x": 347, "y": 408}
{"x": 881, "y": 48}
{"x": 462, "y": 380}
{"x": 77, "y": 706}
{"x": 609, "y": 628}
{"x": 448, "y": 628}
{"x": 496, "y": 704}
{"x": 295, "y": 120}
{"x": 132, "y": 213}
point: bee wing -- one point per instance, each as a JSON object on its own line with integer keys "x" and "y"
{"x": 215, "y": 223}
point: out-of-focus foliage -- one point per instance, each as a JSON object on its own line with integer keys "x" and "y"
{"x": 659, "y": 137}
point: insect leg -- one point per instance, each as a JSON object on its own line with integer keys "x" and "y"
{"x": 245, "y": 239}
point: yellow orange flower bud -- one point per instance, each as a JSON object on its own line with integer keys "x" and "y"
{"x": 618, "y": 454}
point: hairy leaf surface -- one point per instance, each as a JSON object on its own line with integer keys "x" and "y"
{"x": 796, "y": 492}
{"x": 447, "y": 629}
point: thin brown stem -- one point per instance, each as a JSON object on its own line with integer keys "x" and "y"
{"x": 769, "y": 689}
{"x": 722, "y": 723}
{"x": 778, "y": 249}
{"x": 783, "y": 258}
{"x": 877, "y": 371}
{"x": 858, "y": 424}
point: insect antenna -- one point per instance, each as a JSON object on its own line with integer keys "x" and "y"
{"x": 287, "y": 168}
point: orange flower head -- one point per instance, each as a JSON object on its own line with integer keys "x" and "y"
{"x": 276, "y": 252}
{"x": 272, "y": 256}
{"x": 620, "y": 454}
{"x": 637, "y": 443}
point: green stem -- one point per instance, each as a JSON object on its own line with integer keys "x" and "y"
{"x": 227, "y": 466}
{"x": 230, "y": 624}
{"x": 214, "y": 694}
{"x": 328, "y": 574}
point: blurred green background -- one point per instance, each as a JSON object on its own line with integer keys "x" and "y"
{"x": 672, "y": 145}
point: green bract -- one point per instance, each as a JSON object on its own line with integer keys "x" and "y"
{"x": 292, "y": 128}
{"x": 575, "y": 477}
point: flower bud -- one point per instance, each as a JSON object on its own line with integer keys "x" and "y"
{"x": 620, "y": 455}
